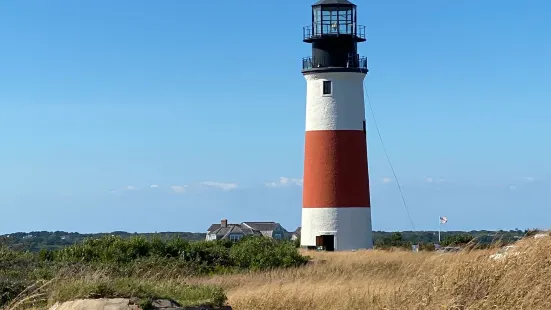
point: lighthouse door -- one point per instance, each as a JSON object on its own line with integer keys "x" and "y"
{"x": 327, "y": 242}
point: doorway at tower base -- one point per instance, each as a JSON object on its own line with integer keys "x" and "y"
{"x": 339, "y": 229}
{"x": 325, "y": 243}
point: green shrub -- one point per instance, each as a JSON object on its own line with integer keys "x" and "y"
{"x": 203, "y": 257}
{"x": 10, "y": 260}
{"x": 427, "y": 246}
{"x": 457, "y": 240}
{"x": 9, "y": 289}
{"x": 297, "y": 242}
{"x": 395, "y": 240}
{"x": 257, "y": 253}
{"x": 16, "y": 268}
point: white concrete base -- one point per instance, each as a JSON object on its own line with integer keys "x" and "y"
{"x": 351, "y": 227}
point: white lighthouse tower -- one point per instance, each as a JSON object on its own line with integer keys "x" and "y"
{"x": 336, "y": 213}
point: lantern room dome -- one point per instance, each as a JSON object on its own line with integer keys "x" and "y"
{"x": 334, "y": 34}
{"x": 333, "y": 2}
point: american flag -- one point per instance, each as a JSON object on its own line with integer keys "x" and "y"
{"x": 443, "y": 220}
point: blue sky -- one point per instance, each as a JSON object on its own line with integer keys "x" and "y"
{"x": 100, "y": 100}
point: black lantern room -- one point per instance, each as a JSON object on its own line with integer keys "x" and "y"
{"x": 334, "y": 35}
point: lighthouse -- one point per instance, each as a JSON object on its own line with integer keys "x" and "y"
{"x": 336, "y": 213}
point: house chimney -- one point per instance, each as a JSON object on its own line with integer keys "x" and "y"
{"x": 224, "y": 223}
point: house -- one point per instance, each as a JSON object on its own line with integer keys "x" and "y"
{"x": 268, "y": 229}
{"x": 295, "y": 234}
{"x": 235, "y": 232}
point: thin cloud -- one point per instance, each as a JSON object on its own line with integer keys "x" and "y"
{"x": 178, "y": 188}
{"x": 131, "y": 188}
{"x": 386, "y": 180}
{"x": 154, "y": 186}
{"x": 529, "y": 179}
{"x": 512, "y": 187}
{"x": 433, "y": 180}
{"x": 220, "y": 185}
{"x": 283, "y": 181}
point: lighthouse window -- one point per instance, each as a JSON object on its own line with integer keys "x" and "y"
{"x": 326, "y": 87}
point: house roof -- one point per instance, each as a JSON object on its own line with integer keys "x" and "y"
{"x": 224, "y": 232}
{"x": 248, "y": 231}
{"x": 297, "y": 231}
{"x": 213, "y": 227}
{"x": 262, "y": 226}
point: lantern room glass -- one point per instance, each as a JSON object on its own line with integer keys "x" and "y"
{"x": 334, "y": 20}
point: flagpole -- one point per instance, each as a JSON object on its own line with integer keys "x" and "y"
{"x": 439, "y": 225}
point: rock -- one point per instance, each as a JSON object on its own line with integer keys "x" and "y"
{"x": 205, "y": 308}
{"x": 164, "y": 303}
{"x": 96, "y": 304}
{"x": 124, "y": 304}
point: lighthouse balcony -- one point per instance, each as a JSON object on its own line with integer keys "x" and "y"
{"x": 322, "y": 31}
{"x": 313, "y": 63}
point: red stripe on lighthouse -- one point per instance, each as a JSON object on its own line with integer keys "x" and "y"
{"x": 335, "y": 169}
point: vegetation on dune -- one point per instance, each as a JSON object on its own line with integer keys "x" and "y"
{"x": 264, "y": 253}
{"x": 140, "y": 267}
{"x": 205, "y": 257}
{"x": 259, "y": 273}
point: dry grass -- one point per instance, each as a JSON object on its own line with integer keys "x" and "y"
{"x": 399, "y": 280}
{"x": 345, "y": 280}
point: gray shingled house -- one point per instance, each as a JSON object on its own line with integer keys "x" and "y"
{"x": 296, "y": 234}
{"x": 268, "y": 229}
{"x": 235, "y": 232}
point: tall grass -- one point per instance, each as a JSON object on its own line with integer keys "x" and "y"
{"x": 375, "y": 279}
{"x": 399, "y": 280}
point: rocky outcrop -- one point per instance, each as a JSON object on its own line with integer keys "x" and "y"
{"x": 96, "y": 304}
{"x": 124, "y": 304}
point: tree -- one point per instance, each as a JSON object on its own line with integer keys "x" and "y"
{"x": 396, "y": 238}
{"x": 457, "y": 240}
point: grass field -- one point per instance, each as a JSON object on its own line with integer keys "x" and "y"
{"x": 400, "y": 280}
{"x": 343, "y": 280}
